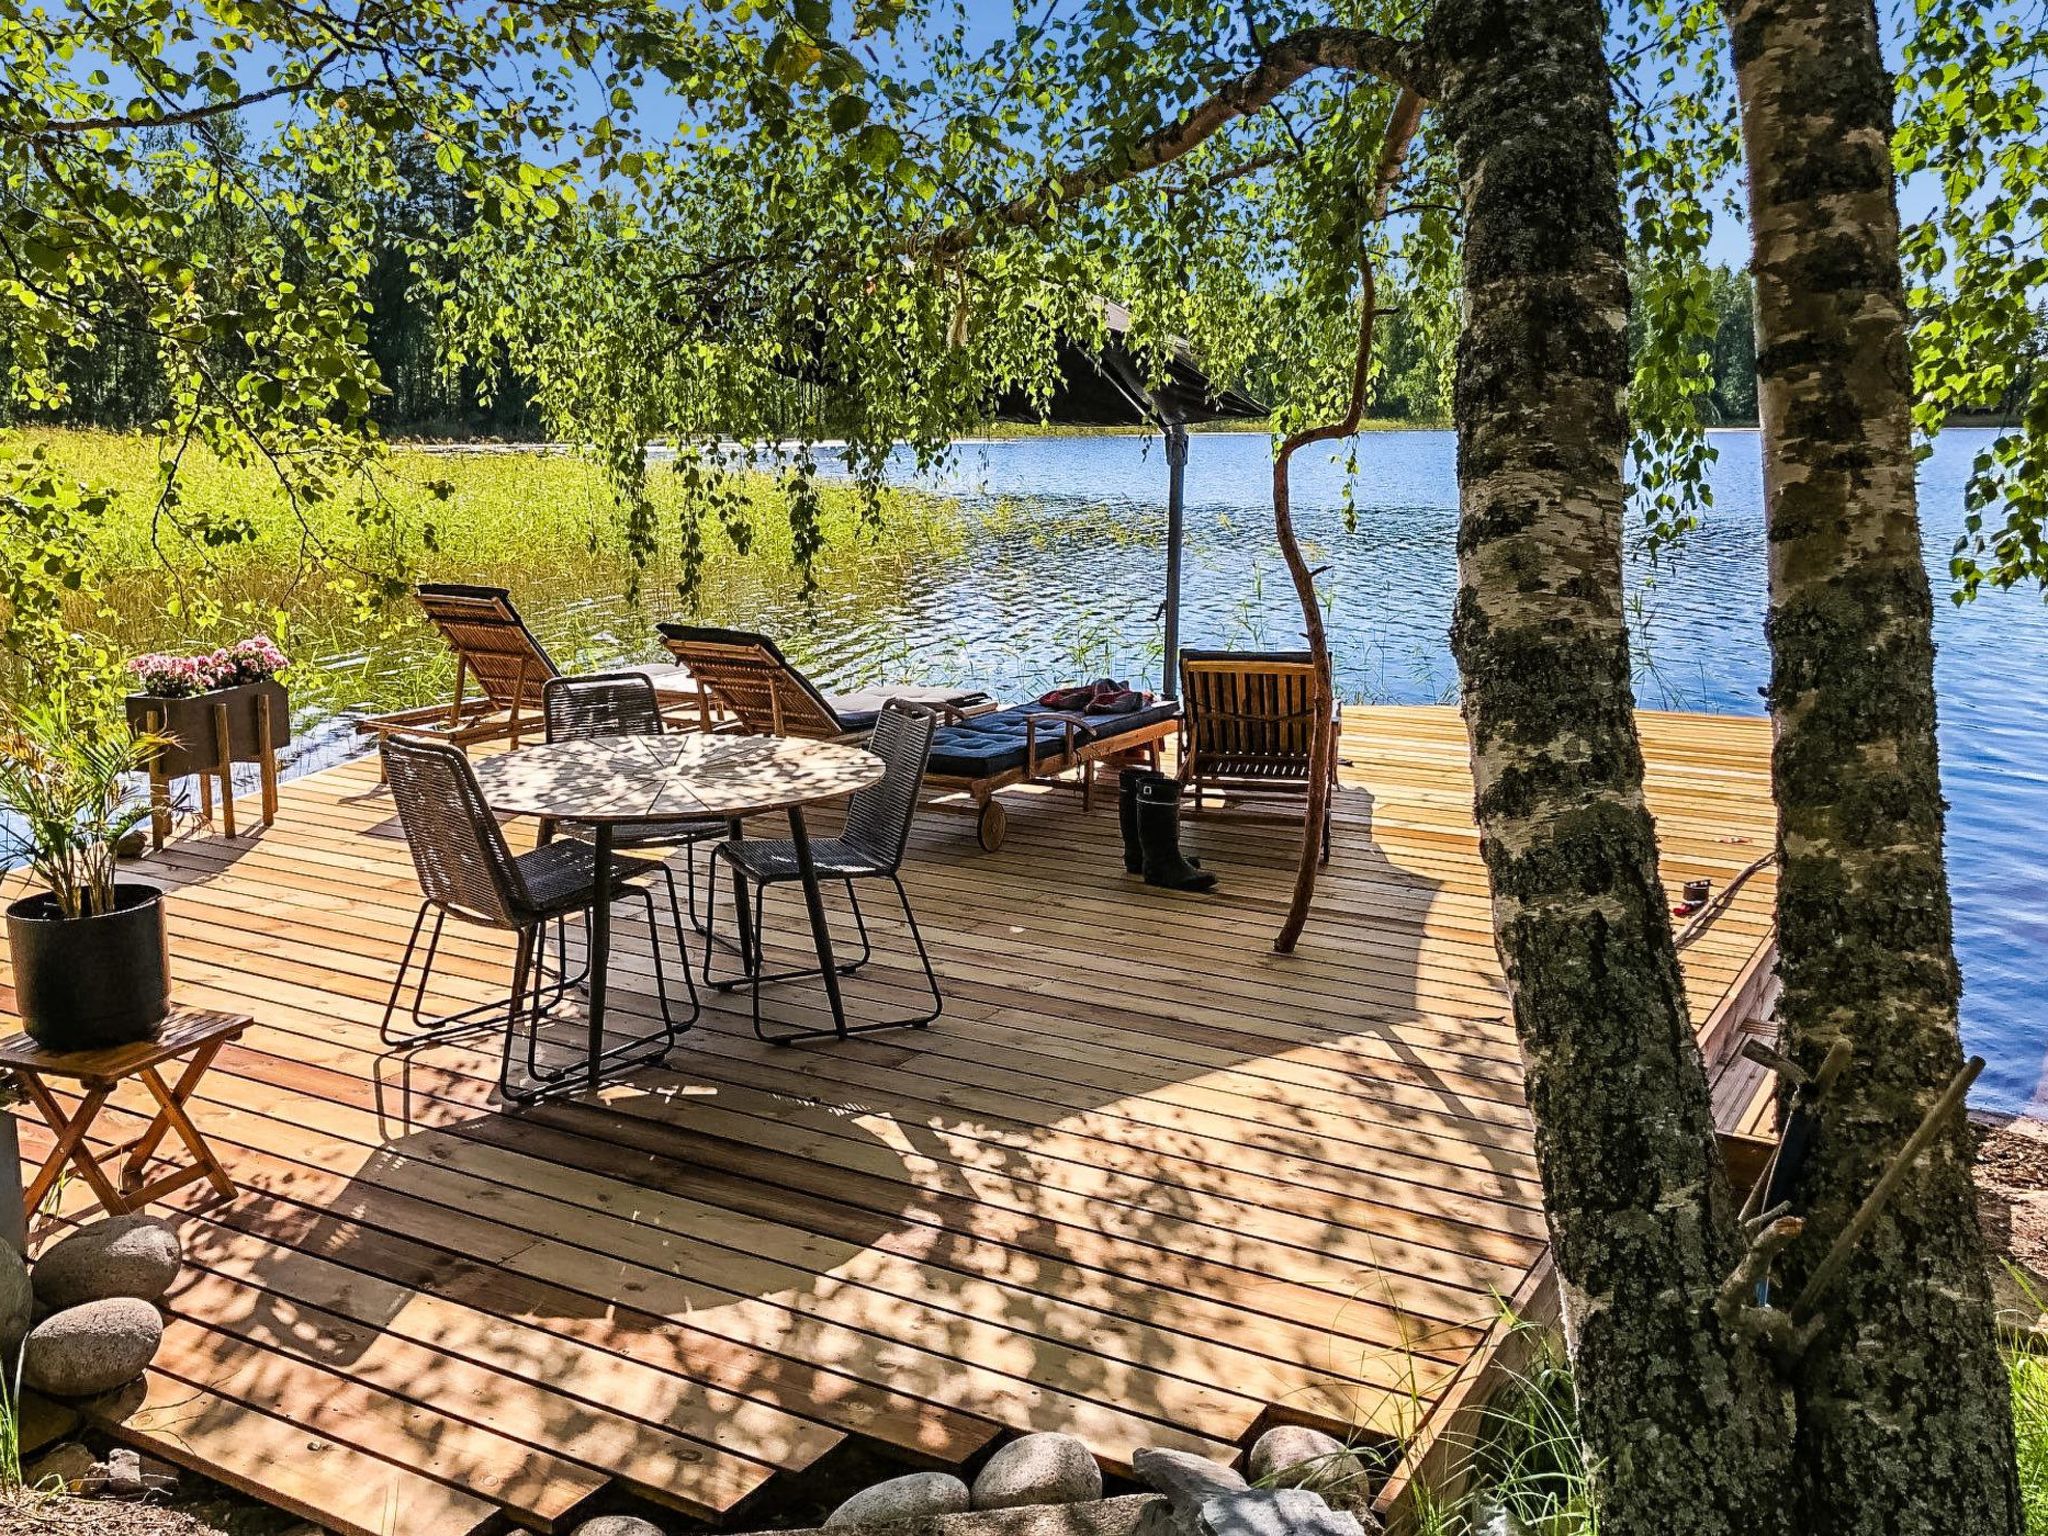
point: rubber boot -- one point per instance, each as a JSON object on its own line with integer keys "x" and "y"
{"x": 1159, "y": 838}
{"x": 1127, "y": 784}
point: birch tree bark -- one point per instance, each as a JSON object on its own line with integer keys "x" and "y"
{"x": 1904, "y": 1415}
{"x": 1685, "y": 1421}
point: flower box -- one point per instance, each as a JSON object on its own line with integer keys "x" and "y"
{"x": 193, "y": 725}
{"x": 216, "y": 710}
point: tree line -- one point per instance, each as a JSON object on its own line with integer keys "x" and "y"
{"x": 120, "y": 381}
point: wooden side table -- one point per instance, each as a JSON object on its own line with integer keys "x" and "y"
{"x": 194, "y": 1036}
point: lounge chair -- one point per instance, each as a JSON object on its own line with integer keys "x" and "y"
{"x": 768, "y": 696}
{"x": 1028, "y": 742}
{"x": 1247, "y": 728}
{"x": 494, "y": 647}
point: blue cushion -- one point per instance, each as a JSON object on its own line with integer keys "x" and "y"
{"x": 983, "y": 746}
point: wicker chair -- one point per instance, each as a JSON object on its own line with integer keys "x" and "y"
{"x": 869, "y": 847}
{"x": 467, "y": 872}
{"x": 627, "y": 704}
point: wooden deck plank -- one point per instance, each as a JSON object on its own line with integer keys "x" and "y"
{"x": 273, "y": 1459}
{"x": 1145, "y": 1180}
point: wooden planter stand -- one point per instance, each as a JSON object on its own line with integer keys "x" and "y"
{"x": 211, "y": 732}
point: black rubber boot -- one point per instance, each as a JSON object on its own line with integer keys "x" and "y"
{"x": 1127, "y": 784}
{"x": 1159, "y": 838}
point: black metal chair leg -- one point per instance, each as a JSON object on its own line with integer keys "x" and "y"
{"x": 860, "y": 923}
{"x": 755, "y": 955}
{"x": 837, "y": 1032}
{"x": 931, "y": 979}
{"x": 675, "y": 913}
{"x": 398, "y": 982}
{"x": 641, "y": 1050}
{"x": 426, "y": 1030}
{"x": 520, "y": 965}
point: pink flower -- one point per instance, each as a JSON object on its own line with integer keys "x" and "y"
{"x": 179, "y": 677}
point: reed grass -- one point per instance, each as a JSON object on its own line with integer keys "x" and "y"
{"x": 2027, "y": 1370}
{"x": 540, "y": 523}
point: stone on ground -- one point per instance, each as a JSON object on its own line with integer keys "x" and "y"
{"x": 17, "y": 1298}
{"x": 918, "y": 1496}
{"x": 66, "y": 1464}
{"x": 1185, "y": 1478}
{"x": 1294, "y": 1456}
{"x": 135, "y": 1256}
{"x": 617, "y": 1525}
{"x": 86, "y": 1350}
{"x": 1048, "y": 1468}
{"x": 124, "y": 1473}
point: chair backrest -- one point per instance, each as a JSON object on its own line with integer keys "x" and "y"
{"x": 456, "y": 845}
{"x": 750, "y": 676}
{"x": 491, "y": 640}
{"x": 1251, "y": 708}
{"x": 602, "y": 704}
{"x": 878, "y": 818}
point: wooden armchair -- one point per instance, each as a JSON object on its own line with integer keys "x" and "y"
{"x": 1247, "y": 726}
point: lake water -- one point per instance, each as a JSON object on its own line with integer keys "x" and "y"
{"x": 1063, "y": 579}
{"x": 1059, "y": 577}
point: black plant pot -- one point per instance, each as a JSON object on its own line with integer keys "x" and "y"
{"x": 81, "y": 983}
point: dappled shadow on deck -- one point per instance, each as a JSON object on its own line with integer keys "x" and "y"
{"x": 1144, "y": 1180}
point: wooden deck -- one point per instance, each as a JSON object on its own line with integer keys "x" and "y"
{"x": 1144, "y": 1181}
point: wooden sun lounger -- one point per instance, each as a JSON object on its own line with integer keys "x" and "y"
{"x": 768, "y": 696}
{"x": 1247, "y": 726}
{"x": 1029, "y": 743}
{"x": 509, "y": 666}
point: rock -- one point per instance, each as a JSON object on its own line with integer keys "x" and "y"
{"x": 1185, "y": 1478}
{"x": 617, "y": 1525}
{"x": 17, "y": 1299}
{"x": 1130, "y": 1515}
{"x": 916, "y": 1497}
{"x": 86, "y": 1350}
{"x": 1274, "y": 1512}
{"x": 123, "y": 1479}
{"x": 135, "y": 1256}
{"x": 66, "y": 1465}
{"x": 1294, "y": 1456}
{"x": 41, "y": 1421}
{"x": 1048, "y": 1468}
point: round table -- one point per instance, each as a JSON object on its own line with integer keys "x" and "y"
{"x": 685, "y": 777}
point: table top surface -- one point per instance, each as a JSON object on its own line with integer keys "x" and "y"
{"x": 687, "y": 776}
{"x": 184, "y": 1029}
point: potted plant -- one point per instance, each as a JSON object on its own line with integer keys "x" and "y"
{"x": 91, "y": 966}
{"x": 177, "y": 697}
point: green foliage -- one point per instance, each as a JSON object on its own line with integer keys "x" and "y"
{"x": 65, "y": 761}
{"x": 1972, "y": 120}
{"x": 47, "y": 560}
{"x": 1679, "y": 146}
{"x": 2028, "y": 1371}
{"x": 829, "y": 230}
{"x": 1525, "y": 1468}
{"x": 2029, "y": 1374}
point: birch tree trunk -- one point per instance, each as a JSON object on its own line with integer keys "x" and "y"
{"x": 1685, "y": 1421}
{"x": 1904, "y": 1415}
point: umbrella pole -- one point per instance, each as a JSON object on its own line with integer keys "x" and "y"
{"x": 1176, "y": 483}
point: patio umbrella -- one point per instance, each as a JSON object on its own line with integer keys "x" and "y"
{"x": 1107, "y": 387}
